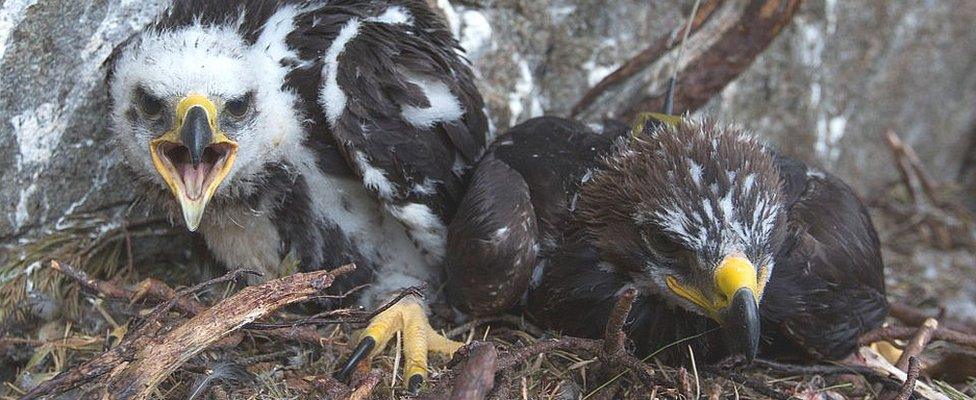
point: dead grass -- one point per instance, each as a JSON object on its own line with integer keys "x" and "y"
{"x": 49, "y": 325}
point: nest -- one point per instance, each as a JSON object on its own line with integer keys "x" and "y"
{"x": 89, "y": 311}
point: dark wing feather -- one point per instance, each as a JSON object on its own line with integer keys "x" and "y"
{"x": 375, "y": 70}
{"x": 828, "y": 284}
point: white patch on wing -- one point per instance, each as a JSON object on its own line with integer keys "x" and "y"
{"x": 537, "y": 273}
{"x": 475, "y": 32}
{"x": 426, "y": 229}
{"x": 444, "y": 105}
{"x": 332, "y": 98}
{"x": 380, "y": 238}
{"x": 393, "y": 15}
{"x": 426, "y": 188}
{"x": 459, "y": 165}
{"x": 374, "y": 178}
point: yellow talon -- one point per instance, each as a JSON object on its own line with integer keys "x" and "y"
{"x": 409, "y": 317}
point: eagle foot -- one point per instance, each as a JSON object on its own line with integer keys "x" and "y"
{"x": 409, "y": 317}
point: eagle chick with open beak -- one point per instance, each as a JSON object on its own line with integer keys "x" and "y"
{"x": 198, "y": 113}
{"x": 194, "y": 157}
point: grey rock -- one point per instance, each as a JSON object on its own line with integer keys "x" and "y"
{"x": 56, "y": 158}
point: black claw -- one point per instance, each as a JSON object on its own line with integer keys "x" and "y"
{"x": 414, "y": 383}
{"x": 361, "y": 352}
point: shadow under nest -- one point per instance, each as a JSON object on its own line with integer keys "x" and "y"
{"x": 91, "y": 311}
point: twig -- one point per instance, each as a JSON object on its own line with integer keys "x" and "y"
{"x": 874, "y": 360}
{"x": 684, "y": 383}
{"x": 162, "y": 292}
{"x": 366, "y": 386}
{"x": 914, "y": 316}
{"x": 646, "y": 57}
{"x": 614, "y": 336}
{"x": 913, "y": 172}
{"x": 904, "y": 333}
{"x": 153, "y": 363}
{"x": 917, "y": 343}
{"x": 143, "y": 359}
{"x": 754, "y": 384}
{"x": 514, "y": 320}
{"x": 342, "y": 316}
{"x": 908, "y": 387}
{"x": 727, "y": 37}
{"x": 164, "y": 307}
{"x": 609, "y": 350}
{"x": 100, "y": 287}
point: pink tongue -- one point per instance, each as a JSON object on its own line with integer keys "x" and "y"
{"x": 194, "y": 178}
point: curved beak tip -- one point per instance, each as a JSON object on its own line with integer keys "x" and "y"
{"x": 741, "y": 324}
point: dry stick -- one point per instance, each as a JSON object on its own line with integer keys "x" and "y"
{"x": 729, "y": 37}
{"x": 910, "y": 164}
{"x": 90, "y": 283}
{"x": 614, "y": 336}
{"x": 342, "y": 316}
{"x": 155, "y": 362}
{"x": 477, "y": 376}
{"x": 917, "y": 343}
{"x": 647, "y": 56}
{"x": 514, "y": 320}
{"x": 756, "y": 385}
{"x": 158, "y": 290}
{"x": 914, "y": 316}
{"x": 904, "y": 333}
{"x": 366, "y": 386}
{"x": 684, "y": 383}
{"x": 588, "y": 346}
{"x": 143, "y": 358}
{"x": 909, "y": 386}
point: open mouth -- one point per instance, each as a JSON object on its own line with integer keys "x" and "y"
{"x": 195, "y": 181}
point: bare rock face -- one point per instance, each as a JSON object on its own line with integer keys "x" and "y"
{"x": 56, "y": 157}
{"x": 827, "y": 89}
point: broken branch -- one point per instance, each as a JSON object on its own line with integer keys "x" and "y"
{"x": 917, "y": 343}
{"x": 143, "y": 359}
{"x": 135, "y": 380}
{"x": 728, "y": 36}
{"x": 908, "y": 387}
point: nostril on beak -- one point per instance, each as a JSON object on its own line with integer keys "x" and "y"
{"x": 196, "y": 134}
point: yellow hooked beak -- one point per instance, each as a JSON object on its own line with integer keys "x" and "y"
{"x": 194, "y": 157}
{"x": 734, "y": 301}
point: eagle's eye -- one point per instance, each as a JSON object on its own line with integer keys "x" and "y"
{"x": 662, "y": 244}
{"x": 240, "y": 106}
{"x": 150, "y": 106}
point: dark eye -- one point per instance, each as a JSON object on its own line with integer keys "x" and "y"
{"x": 151, "y": 106}
{"x": 662, "y": 243}
{"x": 239, "y": 107}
